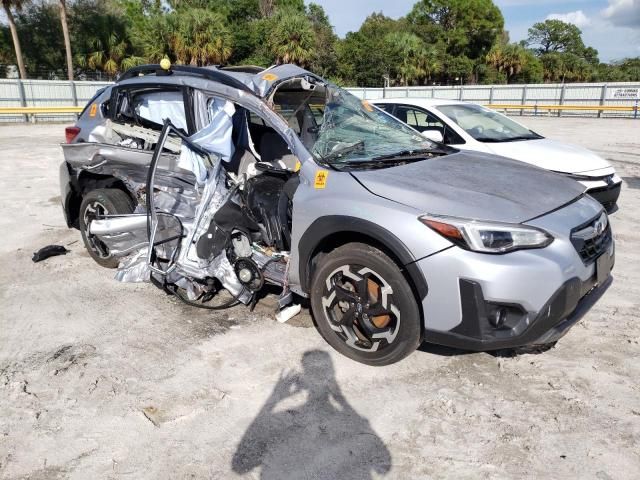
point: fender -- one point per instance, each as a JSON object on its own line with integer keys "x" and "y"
{"x": 324, "y": 227}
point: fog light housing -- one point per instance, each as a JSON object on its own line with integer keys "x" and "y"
{"x": 498, "y": 317}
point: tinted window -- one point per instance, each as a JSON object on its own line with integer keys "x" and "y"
{"x": 423, "y": 121}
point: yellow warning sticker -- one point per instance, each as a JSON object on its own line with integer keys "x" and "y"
{"x": 297, "y": 167}
{"x": 270, "y": 77}
{"x": 93, "y": 110}
{"x": 321, "y": 179}
{"x": 367, "y": 106}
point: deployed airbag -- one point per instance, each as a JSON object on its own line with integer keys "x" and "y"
{"x": 158, "y": 106}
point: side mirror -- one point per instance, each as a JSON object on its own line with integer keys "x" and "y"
{"x": 435, "y": 135}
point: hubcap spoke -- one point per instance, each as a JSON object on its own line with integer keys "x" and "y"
{"x": 377, "y": 310}
{"x": 344, "y": 294}
{"x": 348, "y": 317}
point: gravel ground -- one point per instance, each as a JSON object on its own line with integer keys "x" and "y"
{"x": 106, "y": 380}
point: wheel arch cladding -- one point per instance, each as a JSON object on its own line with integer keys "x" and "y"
{"x": 88, "y": 181}
{"x": 330, "y": 232}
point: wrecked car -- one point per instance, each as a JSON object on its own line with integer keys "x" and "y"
{"x": 216, "y": 184}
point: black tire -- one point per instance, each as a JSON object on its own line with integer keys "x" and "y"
{"x": 99, "y": 202}
{"x": 354, "y": 316}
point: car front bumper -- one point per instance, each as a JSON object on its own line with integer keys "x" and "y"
{"x": 529, "y": 297}
{"x": 607, "y": 195}
{"x": 605, "y": 191}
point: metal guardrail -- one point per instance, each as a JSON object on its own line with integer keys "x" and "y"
{"x": 577, "y": 99}
{"x": 38, "y": 110}
{"x": 495, "y": 106}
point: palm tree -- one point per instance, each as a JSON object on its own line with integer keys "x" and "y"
{"x": 292, "y": 38}
{"x": 200, "y": 37}
{"x": 416, "y": 61}
{"x": 109, "y": 55}
{"x": 7, "y": 5}
{"x": 67, "y": 41}
{"x": 510, "y": 59}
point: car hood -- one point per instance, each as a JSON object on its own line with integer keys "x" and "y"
{"x": 551, "y": 155}
{"x": 472, "y": 185}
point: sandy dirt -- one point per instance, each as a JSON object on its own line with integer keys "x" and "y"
{"x": 106, "y": 380}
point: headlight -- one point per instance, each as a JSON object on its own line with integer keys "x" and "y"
{"x": 487, "y": 237}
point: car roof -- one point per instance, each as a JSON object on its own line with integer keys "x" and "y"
{"x": 419, "y": 102}
{"x": 248, "y": 78}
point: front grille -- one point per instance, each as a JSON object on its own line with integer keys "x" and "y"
{"x": 592, "y": 238}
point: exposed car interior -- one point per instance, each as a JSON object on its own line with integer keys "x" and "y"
{"x": 252, "y": 226}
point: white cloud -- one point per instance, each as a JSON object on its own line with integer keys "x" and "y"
{"x": 578, "y": 18}
{"x": 623, "y": 13}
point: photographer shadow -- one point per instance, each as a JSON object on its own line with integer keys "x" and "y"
{"x": 307, "y": 429}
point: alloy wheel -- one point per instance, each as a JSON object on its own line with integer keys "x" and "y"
{"x": 358, "y": 303}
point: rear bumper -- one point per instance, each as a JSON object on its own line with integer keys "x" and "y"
{"x": 68, "y": 196}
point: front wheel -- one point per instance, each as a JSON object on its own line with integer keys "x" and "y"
{"x": 364, "y": 306}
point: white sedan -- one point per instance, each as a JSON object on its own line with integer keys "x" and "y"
{"x": 469, "y": 126}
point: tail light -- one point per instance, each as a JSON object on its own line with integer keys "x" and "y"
{"x": 71, "y": 133}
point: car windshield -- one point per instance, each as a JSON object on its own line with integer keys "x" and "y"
{"x": 486, "y": 125}
{"x": 355, "y": 131}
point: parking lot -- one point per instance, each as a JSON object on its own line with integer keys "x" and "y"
{"x": 100, "y": 379}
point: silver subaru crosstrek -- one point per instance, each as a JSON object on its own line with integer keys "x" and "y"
{"x": 220, "y": 184}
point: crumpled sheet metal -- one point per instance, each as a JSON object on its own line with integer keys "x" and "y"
{"x": 134, "y": 269}
{"x": 190, "y": 206}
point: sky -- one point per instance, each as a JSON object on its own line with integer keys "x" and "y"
{"x": 610, "y": 26}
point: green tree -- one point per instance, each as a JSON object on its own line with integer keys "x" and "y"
{"x": 201, "y": 38}
{"x": 462, "y": 27}
{"x": 555, "y": 36}
{"x": 292, "y": 38}
{"x": 98, "y": 26}
{"x": 365, "y": 57}
{"x": 110, "y": 55}
{"x": 325, "y": 58}
{"x": 415, "y": 61}
{"x": 512, "y": 59}
{"x": 42, "y": 41}
{"x": 8, "y": 6}
{"x": 566, "y": 67}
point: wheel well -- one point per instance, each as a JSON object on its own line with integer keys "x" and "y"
{"x": 87, "y": 182}
{"x": 338, "y": 239}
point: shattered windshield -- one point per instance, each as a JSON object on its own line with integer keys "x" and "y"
{"x": 352, "y": 130}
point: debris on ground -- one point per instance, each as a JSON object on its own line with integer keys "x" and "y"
{"x": 49, "y": 251}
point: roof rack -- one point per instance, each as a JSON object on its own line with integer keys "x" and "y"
{"x": 215, "y": 75}
{"x": 243, "y": 69}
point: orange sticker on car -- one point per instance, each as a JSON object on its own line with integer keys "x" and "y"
{"x": 93, "y": 110}
{"x": 297, "y": 167}
{"x": 367, "y": 106}
{"x": 269, "y": 77}
{"x": 321, "y": 179}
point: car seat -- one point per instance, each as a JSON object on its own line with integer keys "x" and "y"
{"x": 273, "y": 149}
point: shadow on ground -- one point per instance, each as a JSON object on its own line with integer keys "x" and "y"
{"x": 308, "y": 429}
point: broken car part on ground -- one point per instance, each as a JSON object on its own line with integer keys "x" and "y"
{"x": 206, "y": 179}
